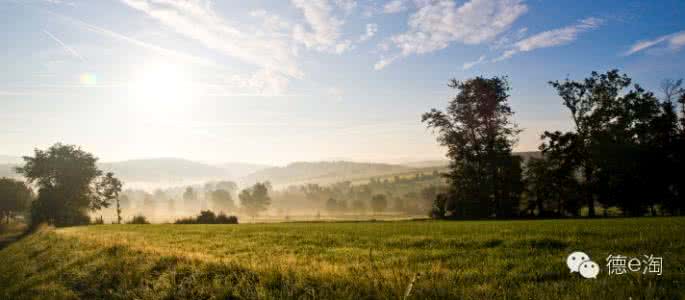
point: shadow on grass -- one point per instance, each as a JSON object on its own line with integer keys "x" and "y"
{"x": 10, "y": 233}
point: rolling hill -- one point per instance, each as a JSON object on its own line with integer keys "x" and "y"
{"x": 322, "y": 172}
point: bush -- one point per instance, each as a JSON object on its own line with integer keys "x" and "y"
{"x": 208, "y": 217}
{"x": 98, "y": 221}
{"x": 139, "y": 219}
{"x": 224, "y": 219}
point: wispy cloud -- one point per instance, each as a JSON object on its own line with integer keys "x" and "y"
{"x": 469, "y": 65}
{"x": 197, "y": 20}
{"x": 395, "y": 6}
{"x": 437, "y": 24}
{"x": 673, "y": 41}
{"x": 64, "y": 46}
{"x": 551, "y": 38}
{"x": 151, "y": 47}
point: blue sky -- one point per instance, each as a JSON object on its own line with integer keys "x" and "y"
{"x": 282, "y": 81}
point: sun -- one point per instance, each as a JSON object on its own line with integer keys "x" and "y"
{"x": 160, "y": 90}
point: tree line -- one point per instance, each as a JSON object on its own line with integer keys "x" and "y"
{"x": 626, "y": 150}
{"x": 70, "y": 187}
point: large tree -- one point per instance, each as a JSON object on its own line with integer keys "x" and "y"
{"x": 221, "y": 200}
{"x": 379, "y": 203}
{"x": 189, "y": 199}
{"x": 68, "y": 183}
{"x": 255, "y": 199}
{"x": 15, "y": 197}
{"x": 479, "y": 135}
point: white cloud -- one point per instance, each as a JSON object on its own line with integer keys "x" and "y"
{"x": 394, "y": 6}
{"x": 438, "y": 23}
{"x": 371, "y": 30}
{"x": 673, "y": 41}
{"x": 469, "y": 65}
{"x": 325, "y": 27}
{"x": 197, "y": 20}
{"x": 551, "y": 38}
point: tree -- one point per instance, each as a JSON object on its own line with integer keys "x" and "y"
{"x": 67, "y": 179}
{"x": 358, "y": 205}
{"x": 551, "y": 188}
{"x": 189, "y": 198}
{"x": 672, "y": 89}
{"x": 331, "y": 205}
{"x": 15, "y": 197}
{"x": 221, "y": 200}
{"x": 379, "y": 203}
{"x": 479, "y": 136}
{"x": 616, "y": 142}
{"x": 108, "y": 188}
{"x": 438, "y": 210}
{"x": 255, "y": 199}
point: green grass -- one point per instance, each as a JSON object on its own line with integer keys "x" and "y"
{"x": 364, "y": 260}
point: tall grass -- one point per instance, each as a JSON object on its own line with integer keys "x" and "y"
{"x": 365, "y": 260}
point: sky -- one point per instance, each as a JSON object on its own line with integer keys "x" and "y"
{"x": 275, "y": 82}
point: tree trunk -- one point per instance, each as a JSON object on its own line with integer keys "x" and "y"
{"x": 588, "y": 193}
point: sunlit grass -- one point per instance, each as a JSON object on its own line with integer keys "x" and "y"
{"x": 484, "y": 260}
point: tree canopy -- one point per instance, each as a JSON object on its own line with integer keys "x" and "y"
{"x": 15, "y": 197}
{"x": 255, "y": 199}
{"x": 69, "y": 185}
{"x": 476, "y": 128}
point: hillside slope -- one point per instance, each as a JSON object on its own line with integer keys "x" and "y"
{"x": 322, "y": 172}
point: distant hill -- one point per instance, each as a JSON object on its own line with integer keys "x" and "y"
{"x": 8, "y": 159}
{"x": 238, "y": 170}
{"x": 163, "y": 169}
{"x": 322, "y": 172}
{"x": 7, "y": 170}
{"x": 427, "y": 163}
{"x": 526, "y": 155}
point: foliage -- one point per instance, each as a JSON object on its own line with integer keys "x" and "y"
{"x": 221, "y": 200}
{"x": 108, "y": 188}
{"x": 138, "y": 219}
{"x": 551, "y": 189}
{"x": 485, "y": 178}
{"x": 68, "y": 185}
{"x": 189, "y": 198}
{"x": 625, "y": 143}
{"x": 379, "y": 203}
{"x": 15, "y": 197}
{"x": 208, "y": 217}
{"x": 255, "y": 199}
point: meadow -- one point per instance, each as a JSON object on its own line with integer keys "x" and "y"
{"x": 343, "y": 260}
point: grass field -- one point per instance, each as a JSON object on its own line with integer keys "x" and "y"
{"x": 364, "y": 260}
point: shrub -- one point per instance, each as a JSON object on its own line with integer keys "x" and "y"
{"x": 208, "y": 217}
{"x": 224, "y": 219}
{"x": 98, "y": 221}
{"x": 139, "y": 219}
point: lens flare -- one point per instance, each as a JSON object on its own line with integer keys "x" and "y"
{"x": 88, "y": 79}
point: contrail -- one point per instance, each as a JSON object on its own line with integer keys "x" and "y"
{"x": 151, "y": 47}
{"x": 66, "y": 48}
